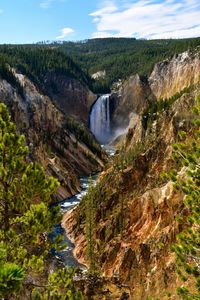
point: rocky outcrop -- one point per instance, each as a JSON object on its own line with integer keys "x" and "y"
{"x": 98, "y": 75}
{"x": 70, "y": 95}
{"x": 50, "y": 139}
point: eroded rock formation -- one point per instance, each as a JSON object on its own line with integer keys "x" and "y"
{"x": 71, "y": 96}
{"x": 168, "y": 78}
{"x": 51, "y": 141}
{"x": 133, "y": 96}
{"x": 173, "y": 75}
{"x": 136, "y": 208}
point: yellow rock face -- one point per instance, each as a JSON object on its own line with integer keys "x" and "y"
{"x": 172, "y": 76}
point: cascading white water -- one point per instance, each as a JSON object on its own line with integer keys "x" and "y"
{"x": 100, "y": 119}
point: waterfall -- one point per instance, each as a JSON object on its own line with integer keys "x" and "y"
{"x": 100, "y": 119}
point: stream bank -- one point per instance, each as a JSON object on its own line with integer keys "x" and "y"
{"x": 66, "y": 256}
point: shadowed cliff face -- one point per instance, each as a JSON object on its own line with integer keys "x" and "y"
{"x": 71, "y": 96}
{"x": 133, "y": 96}
{"x": 51, "y": 141}
{"x": 136, "y": 209}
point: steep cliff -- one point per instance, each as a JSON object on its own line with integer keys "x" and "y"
{"x": 70, "y": 95}
{"x": 168, "y": 78}
{"x": 133, "y": 96}
{"x": 53, "y": 73}
{"x": 173, "y": 75}
{"x": 54, "y": 139}
{"x": 135, "y": 208}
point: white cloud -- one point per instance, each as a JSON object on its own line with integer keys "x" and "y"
{"x": 95, "y": 20}
{"x": 109, "y": 7}
{"x": 64, "y": 33}
{"x": 148, "y": 19}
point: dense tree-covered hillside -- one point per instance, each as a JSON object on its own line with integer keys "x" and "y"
{"x": 118, "y": 57}
{"x": 36, "y": 62}
{"x": 26, "y": 224}
{"x": 123, "y": 56}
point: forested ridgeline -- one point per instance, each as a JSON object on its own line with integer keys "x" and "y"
{"x": 53, "y": 132}
{"x": 36, "y": 62}
{"x": 118, "y": 57}
{"x": 122, "y": 57}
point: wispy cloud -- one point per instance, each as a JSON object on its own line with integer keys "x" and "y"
{"x": 1, "y": 11}
{"x": 109, "y": 7}
{"x": 148, "y": 19}
{"x": 47, "y": 3}
{"x": 64, "y": 32}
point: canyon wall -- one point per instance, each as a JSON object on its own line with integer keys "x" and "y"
{"x": 135, "y": 208}
{"x": 167, "y": 78}
{"x": 173, "y": 75}
{"x": 51, "y": 138}
{"x": 71, "y": 96}
{"x": 133, "y": 96}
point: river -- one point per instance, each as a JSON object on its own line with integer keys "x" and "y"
{"x": 66, "y": 255}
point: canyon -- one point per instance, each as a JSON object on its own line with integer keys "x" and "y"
{"x": 133, "y": 207}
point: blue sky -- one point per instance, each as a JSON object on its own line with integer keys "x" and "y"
{"x": 25, "y": 21}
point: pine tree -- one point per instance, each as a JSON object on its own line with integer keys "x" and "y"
{"x": 11, "y": 276}
{"x": 187, "y": 248}
{"x": 26, "y": 221}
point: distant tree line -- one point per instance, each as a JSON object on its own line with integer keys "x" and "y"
{"x": 122, "y": 57}
{"x": 36, "y": 62}
{"x": 119, "y": 57}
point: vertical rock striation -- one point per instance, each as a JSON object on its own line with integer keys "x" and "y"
{"x": 173, "y": 75}
{"x": 52, "y": 141}
{"x": 71, "y": 96}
